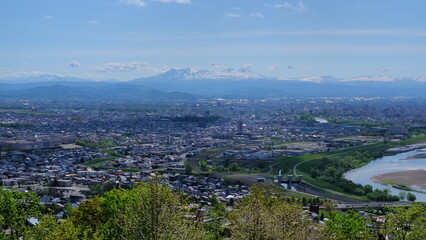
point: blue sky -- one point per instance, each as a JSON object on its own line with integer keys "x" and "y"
{"x": 126, "y": 39}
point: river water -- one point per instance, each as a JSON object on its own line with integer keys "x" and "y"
{"x": 389, "y": 164}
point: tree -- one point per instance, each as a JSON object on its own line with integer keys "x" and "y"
{"x": 66, "y": 230}
{"x": 348, "y": 225}
{"x": 15, "y": 208}
{"x": 68, "y": 210}
{"x": 49, "y": 229}
{"x": 99, "y": 189}
{"x": 188, "y": 168}
{"x": 234, "y": 167}
{"x": 226, "y": 162}
{"x": 215, "y": 226}
{"x": 402, "y": 196}
{"x": 153, "y": 211}
{"x": 148, "y": 211}
{"x": 88, "y": 216}
{"x": 411, "y": 197}
{"x": 249, "y": 219}
{"x": 368, "y": 189}
{"x": 46, "y": 227}
{"x": 315, "y": 173}
{"x": 408, "y": 223}
{"x": 213, "y": 200}
{"x": 113, "y": 204}
{"x": 382, "y": 195}
{"x": 55, "y": 182}
{"x": 330, "y": 172}
{"x": 203, "y": 165}
{"x": 266, "y": 215}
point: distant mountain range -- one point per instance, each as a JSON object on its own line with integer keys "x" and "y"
{"x": 187, "y": 84}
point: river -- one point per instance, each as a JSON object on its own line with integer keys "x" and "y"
{"x": 389, "y": 164}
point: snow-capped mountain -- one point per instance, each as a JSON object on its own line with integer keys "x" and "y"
{"x": 189, "y": 74}
{"x": 229, "y": 83}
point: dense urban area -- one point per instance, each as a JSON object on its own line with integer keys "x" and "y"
{"x": 206, "y": 169}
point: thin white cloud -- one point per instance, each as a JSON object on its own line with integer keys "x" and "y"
{"x": 29, "y": 74}
{"x": 122, "y": 67}
{"x": 274, "y": 67}
{"x": 93, "y": 22}
{"x": 280, "y": 5}
{"x": 376, "y": 78}
{"x": 421, "y": 79}
{"x": 246, "y": 68}
{"x": 26, "y": 76}
{"x": 137, "y": 3}
{"x": 48, "y": 17}
{"x": 258, "y": 15}
{"x": 226, "y": 73}
{"x": 130, "y": 66}
{"x": 391, "y": 69}
{"x": 298, "y": 7}
{"x": 244, "y": 72}
{"x": 232, "y": 15}
{"x": 164, "y": 36}
{"x": 216, "y": 64}
{"x": 176, "y": 1}
{"x": 74, "y": 64}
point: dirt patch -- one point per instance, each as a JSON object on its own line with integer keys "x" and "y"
{"x": 417, "y": 156}
{"x": 414, "y": 178}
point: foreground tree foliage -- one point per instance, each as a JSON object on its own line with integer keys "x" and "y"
{"x": 266, "y": 215}
{"x": 154, "y": 211}
{"x": 408, "y": 223}
{"x": 349, "y": 225}
{"x": 15, "y": 208}
{"x": 148, "y": 211}
{"x": 400, "y": 223}
{"x": 49, "y": 229}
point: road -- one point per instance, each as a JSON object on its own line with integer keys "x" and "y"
{"x": 313, "y": 192}
{"x": 370, "y": 204}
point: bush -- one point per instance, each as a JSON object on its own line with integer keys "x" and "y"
{"x": 411, "y": 197}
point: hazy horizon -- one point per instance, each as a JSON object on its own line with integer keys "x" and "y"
{"x": 128, "y": 39}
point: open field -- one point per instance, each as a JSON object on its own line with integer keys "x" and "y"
{"x": 19, "y": 111}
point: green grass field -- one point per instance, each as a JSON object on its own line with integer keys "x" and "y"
{"x": 26, "y": 112}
